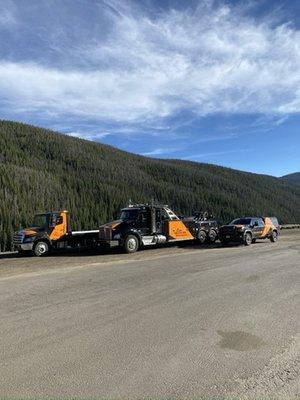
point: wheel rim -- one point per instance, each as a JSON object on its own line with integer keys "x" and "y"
{"x": 274, "y": 236}
{"x": 42, "y": 248}
{"x": 248, "y": 239}
{"x": 132, "y": 244}
{"x": 212, "y": 236}
{"x": 202, "y": 237}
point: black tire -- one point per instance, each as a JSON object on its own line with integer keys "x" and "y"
{"x": 41, "y": 248}
{"x": 212, "y": 236}
{"x": 247, "y": 239}
{"x": 274, "y": 237}
{"x": 131, "y": 244}
{"x": 201, "y": 236}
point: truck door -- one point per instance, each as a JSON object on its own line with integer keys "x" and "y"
{"x": 143, "y": 223}
{"x": 161, "y": 221}
{"x": 58, "y": 223}
{"x": 261, "y": 226}
{"x": 258, "y": 227}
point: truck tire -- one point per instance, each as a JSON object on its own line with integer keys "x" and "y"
{"x": 131, "y": 244}
{"x": 212, "y": 236}
{"x": 201, "y": 236}
{"x": 274, "y": 237}
{"x": 247, "y": 239}
{"x": 41, "y": 248}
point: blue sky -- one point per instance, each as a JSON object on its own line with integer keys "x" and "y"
{"x": 208, "y": 81}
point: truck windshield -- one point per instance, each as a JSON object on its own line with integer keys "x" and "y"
{"x": 241, "y": 221}
{"x": 41, "y": 221}
{"x": 129, "y": 214}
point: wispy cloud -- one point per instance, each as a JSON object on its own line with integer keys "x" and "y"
{"x": 209, "y": 59}
{"x": 89, "y": 136}
{"x": 160, "y": 151}
{"x": 199, "y": 156}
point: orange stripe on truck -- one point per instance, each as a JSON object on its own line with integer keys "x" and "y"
{"x": 178, "y": 231}
{"x": 268, "y": 227}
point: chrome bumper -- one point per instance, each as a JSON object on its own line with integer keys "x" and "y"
{"x": 24, "y": 246}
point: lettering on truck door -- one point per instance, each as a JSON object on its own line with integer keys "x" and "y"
{"x": 178, "y": 231}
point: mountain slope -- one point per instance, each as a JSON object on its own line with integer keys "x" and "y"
{"x": 292, "y": 178}
{"x": 41, "y": 170}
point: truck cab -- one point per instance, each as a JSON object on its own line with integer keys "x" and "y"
{"x": 48, "y": 231}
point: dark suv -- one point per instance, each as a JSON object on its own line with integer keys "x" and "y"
{"x": 247, "y": 229}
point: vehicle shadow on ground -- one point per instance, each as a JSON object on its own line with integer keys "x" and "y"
{"x": 10, "y": 255}
{"x": 117, "y": 250}
{"x": 217, "y": 245}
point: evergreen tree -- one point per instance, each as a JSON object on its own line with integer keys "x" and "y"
{"x": 42, "y": 171}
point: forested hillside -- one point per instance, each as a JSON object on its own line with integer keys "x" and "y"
{"x": 41, "y": 170}
{"x": 293, "y": 178}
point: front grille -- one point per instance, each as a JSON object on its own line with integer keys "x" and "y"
{"x": 228, "y": 230}
{"x": 105, "y": 233}
{"x": 18, "y": 238}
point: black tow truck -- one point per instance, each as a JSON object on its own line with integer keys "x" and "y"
{"x": 152, "y": 224}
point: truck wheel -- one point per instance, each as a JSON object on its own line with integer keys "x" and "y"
{"x": 247, "y": 239}
{"x": 212, "y": 236}
{"x": 201, "y": 236}
{"x": 41, "y": 249}
{"x": 274, "y": 237}
{"x": 131, "y": 244}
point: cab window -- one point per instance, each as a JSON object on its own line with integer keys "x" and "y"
{"x": 144, "y": 216}
{"x": 59, "y": 220}
{"x": 164, "y": 215}
{"x": 261, "y": 223}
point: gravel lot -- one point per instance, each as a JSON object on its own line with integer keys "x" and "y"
{"x": 174, "y": 322}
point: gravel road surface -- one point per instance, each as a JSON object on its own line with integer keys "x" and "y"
{"x": 174, "y": 322}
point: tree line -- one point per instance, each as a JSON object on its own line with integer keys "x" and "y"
{"x": 42, "y": 171}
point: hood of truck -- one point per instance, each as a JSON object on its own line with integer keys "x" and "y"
{"x": 112, "y": 225}
{"x": 233, "y": 227}
{"x": 29, "y": 231}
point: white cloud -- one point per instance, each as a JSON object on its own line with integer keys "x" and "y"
{"x": 88, "y": 136}
{"x": 205, "y": 60}
{"x": 162, "y": 151}
{"x": 215, "y": 153}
